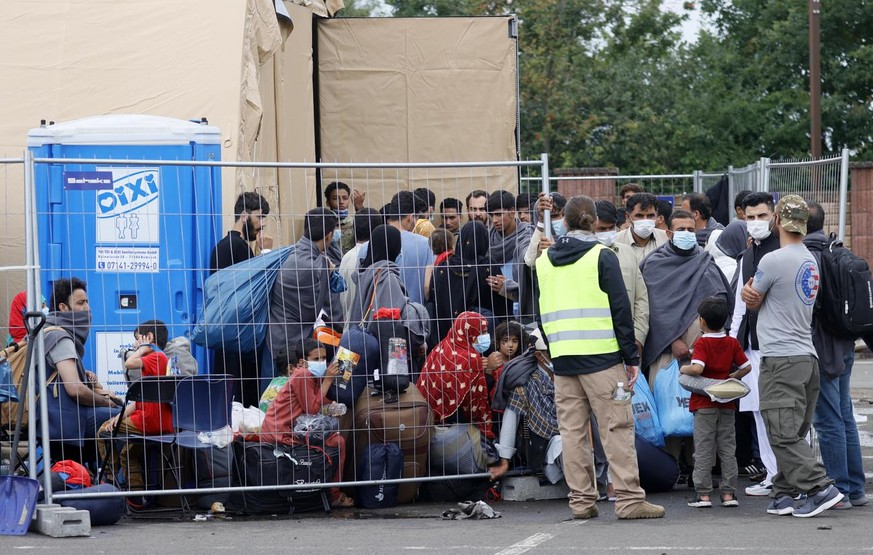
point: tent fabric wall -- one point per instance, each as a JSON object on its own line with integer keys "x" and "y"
{"x": 288, "y": 130}
{"x": 418, "y": 90}
{"x": 69, "y": 59}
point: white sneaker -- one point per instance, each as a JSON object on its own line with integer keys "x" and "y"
{"x": 760, "y": 490}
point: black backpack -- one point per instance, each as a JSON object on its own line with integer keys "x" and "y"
{"x": 844, "y": 304}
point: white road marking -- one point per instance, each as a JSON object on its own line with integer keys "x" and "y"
{"x": 526, "y": 544}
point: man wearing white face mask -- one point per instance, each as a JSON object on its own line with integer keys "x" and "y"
{"x": 683, "y": 274}
{"x": 606, "y": 231}
{"x": 642, "y": 236}
{"x": 758, "y": 208}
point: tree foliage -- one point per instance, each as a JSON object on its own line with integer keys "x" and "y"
{"x": 613, "y": 82}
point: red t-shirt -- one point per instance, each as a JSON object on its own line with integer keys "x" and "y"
{"x": 718, "y": 354}
{"x": 153, "y": 418}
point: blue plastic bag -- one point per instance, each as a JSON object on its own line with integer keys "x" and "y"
{"x": 236, "y": 303}
{"x": 672, "y": 400}
{"x": 646, "y": 422}
{"x": 7, "y": 387}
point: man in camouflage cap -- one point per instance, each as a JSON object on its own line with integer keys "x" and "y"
{"x": 784, "y": 290}
{"x": 793, "y": 213}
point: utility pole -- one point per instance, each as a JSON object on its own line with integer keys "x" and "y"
{"x": 815, "y": 78}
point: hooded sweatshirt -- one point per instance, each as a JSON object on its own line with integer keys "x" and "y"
{"x": 568, "y": 250}
{"x": 299, "y": 293}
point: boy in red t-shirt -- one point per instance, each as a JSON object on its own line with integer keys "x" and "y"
{"x": 715, "y": 354}
{"x": 140, "y": 418}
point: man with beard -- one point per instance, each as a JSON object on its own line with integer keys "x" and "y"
{"x": 678, "y": 275}
{"x": 758, "y": 209}
{"x": 75, "y": 408}
{"x": 250, "y": 210}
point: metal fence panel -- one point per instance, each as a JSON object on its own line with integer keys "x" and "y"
{"x": 179, "y": 281}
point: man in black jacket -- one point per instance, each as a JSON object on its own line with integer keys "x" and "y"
{"x": 250, "y": 210}
{"x": 834, "y": 420}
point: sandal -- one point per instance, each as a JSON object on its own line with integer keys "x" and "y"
{"x": 699, "y": 503}
{"x": 729, "y": 500}
{"x": 343, "y": 501}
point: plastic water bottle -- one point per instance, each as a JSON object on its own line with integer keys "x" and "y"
{"x": 620, "y": 393}
{"x": 335, "y": 409}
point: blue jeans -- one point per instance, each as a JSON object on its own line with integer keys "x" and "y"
{"x": 838, "y": 434}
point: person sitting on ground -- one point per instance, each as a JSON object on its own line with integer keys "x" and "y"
{"x": 715, "y": 356}
{"x": 453, "y": 380}
{"x": 526, "y": 390}
{"x": 306, "y": 393}
{"x": 642, "y": 209}
{"x": 77, "y": 404}
{"x": 509, "y": 338}
{"x": 310, "y": 351}
{"x": 17, "y": 331}
{"x": 442, "y": 243}
{"x": 139, "y": 418}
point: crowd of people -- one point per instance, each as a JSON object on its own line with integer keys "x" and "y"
{"x": 533, "y": 335}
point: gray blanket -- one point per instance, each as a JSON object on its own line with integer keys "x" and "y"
{"x": 677, "y": 282}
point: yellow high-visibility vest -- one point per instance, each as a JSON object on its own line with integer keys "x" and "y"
{"x": 575, "y": 312}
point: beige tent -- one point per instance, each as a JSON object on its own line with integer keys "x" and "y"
{"x": 452, "y": 86}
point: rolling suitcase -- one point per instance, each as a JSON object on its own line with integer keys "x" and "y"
{"x": 407, "y": 422}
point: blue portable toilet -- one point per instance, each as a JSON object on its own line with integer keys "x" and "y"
{"x": 139, "y": 234}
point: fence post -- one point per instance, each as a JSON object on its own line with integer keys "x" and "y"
{"x": 33, "y": 286}
{"x": 764, "y": 175}
{"x": 844, "y": 191}
{"x": 546, "y": 188}
{"x": 697, "y": 180}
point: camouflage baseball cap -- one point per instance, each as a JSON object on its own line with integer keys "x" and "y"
{"x": 793, "y": 213}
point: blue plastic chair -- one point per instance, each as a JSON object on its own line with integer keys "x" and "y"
{"x": 202, "y": 404}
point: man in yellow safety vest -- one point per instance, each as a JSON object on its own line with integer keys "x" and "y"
{"x": 586, "y": 316}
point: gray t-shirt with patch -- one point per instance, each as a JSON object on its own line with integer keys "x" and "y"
{"x": 790, "y": 278}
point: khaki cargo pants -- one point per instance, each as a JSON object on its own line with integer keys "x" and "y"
{"x": 576, "y": 398}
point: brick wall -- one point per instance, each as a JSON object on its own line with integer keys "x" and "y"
{"x": 598, "y": 189}
{"x": 861, "y": 195}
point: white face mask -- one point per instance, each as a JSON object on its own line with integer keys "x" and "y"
{"x": 644, "y": 228}
{"x": 758, "y": 229}
{"x": 607, "y": 237}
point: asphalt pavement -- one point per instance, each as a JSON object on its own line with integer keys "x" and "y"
{"x": 524, "y": 527}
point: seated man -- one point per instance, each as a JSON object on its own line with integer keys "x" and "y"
{"x": 76, "y": 405}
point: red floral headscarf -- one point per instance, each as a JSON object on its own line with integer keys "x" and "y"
{"x": 453, "y": 378}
